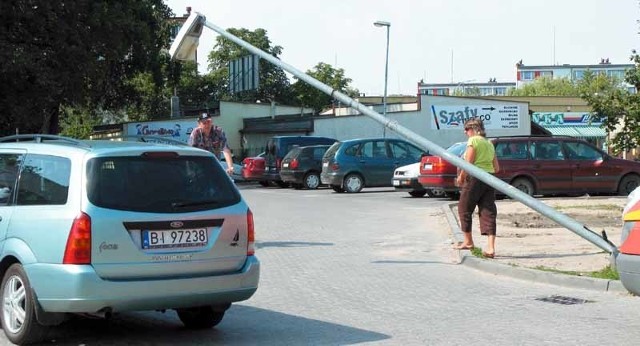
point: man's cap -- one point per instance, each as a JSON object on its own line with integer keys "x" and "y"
{"x": 204, "y": 116}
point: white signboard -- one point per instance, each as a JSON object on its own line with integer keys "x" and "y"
{"x": 178, "y": 129}
{"x": 494, "y": 117}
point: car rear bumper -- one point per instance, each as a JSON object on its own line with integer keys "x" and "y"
{"x": 295, "y": 177}
{"x": 407, "y": 184}
{"x": 445, "y": 182}
{"x": 331, "y": 178}
{"x": 628, "y": 267}
{"x": 71, "y": 288}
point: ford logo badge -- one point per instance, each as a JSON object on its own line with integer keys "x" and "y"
{"x": 176, "y": 224}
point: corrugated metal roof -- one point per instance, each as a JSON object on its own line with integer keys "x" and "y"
{"x": 577, "y": 131}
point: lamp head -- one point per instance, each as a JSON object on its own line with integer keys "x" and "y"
{"x": 382, "y": 23}
{"x": 185, "y": 44}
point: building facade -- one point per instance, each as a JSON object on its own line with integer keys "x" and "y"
{"x": 528, "y": 74}
{"x": 490, "y": 88}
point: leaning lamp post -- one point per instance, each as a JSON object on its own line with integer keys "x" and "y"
{"x": 186, "y": 41}
{"x": 386, "y": 72}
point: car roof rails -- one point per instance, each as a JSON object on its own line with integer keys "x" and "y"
{"x": 40, "y": 138}
{"x": 146, "y": 139}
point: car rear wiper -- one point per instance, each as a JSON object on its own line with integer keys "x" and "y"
{"x": 192, "y": 204}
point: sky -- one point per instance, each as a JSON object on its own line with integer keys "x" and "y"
{"x": 438, "y": 41}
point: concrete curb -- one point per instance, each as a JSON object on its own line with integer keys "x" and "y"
{"x": 466, "y": 258}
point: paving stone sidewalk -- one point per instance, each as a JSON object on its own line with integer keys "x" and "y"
{"x": 535, "y": 247}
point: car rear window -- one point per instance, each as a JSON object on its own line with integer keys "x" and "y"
{"x": 173, "y": 184}
{"x": 458, "y": 148}
{"x": 332, "y": 150}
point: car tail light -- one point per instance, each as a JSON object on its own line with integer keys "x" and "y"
{"x": 278, "y": 163}
{"x": 293, "y": 164}
{"x": 335, "y": 166}
{"x": 78, "y": 249}
{"x": 251, "y": 238}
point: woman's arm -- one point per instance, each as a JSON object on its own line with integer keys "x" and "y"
{"x": 469, "y": 156}
{"x": 496, "y": 164}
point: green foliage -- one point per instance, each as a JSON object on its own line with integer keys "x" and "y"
{"x": 546, "y": 86}
{"x": 618, "y": 108}
{"x": 309, "y": 96}
{"x": 77, "y": 122}
{"x": 274, "y": 84}
{"x": 74, "y": 53}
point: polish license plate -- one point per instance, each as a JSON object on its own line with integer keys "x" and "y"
{"x": 396, "y": 183}
{"x": 175, "y": 238}
{"x": 325, "y": 164}
{"x": 285, "y": 165}
{"x": 428, "y": 166}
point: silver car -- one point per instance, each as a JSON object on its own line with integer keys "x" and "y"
{"x": 101, "y": 227}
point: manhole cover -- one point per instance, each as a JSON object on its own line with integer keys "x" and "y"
{"x": 563, "y": 300}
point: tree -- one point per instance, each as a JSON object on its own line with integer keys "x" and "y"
{"x": 274, "y": 84}
{"x": 617, "y": 107}
{"x": 75, "y": 53}
{"x": 309, "y": 96}
{"x": 546, "y": 86}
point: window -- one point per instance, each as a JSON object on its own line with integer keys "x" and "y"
{"x": 527, "y": 75}
{"x": 159, "y": 185}
{"x": 546, "y": 150}
{"x": 374, "y": 149}
{"x": 582, "y": 151}
{"x": 501, "y": 91}
{"x": 511, "y": 150}
{"x": 403, "y": 150}
{"x": 618, "y": 74}
{"x": 578, "y": 74}
{"x": 44, "y": 180}
{"x": 9, "y": 166}
{"x": 546, "y": 74}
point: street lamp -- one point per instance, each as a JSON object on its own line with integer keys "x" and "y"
{"x": 386, "y": 73}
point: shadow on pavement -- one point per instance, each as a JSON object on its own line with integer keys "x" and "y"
{"x": 242, "y": 325}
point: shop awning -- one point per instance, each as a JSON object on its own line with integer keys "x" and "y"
{"x": 578, "y": 131}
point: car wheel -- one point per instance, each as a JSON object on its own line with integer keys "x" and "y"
{"x": 418, "y": 193}
{"x": 264, "y": 183}
{"x": 525, "y": 185}
{"x": 200, "y": 317}
{"x": 311, "y": 180}
{"x": 353, "y": 183}
{"x": 337, "y": 188}
{"x": 18, "y": 308}
{"x": 282, "y": 184}
{"x": 628, "y": 184}
{"x": 435, "y": 193}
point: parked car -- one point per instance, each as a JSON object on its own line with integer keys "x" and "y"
{"x": 438, "y": 174}
{"x": 253, "y": 169}
{"x": 301, "y": 167}
{"x": 405, "y": 178}
{"x": 553, "y": 166}
{"x": 275, "y": 150}
{"x": 628, "y": 260}
{"x": 120, "y": 226}
{"x": 351, "y": 165}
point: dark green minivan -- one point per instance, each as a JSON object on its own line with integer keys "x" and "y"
{"x": 351, "y": 165}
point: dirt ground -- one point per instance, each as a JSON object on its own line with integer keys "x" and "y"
{"x": 528, "y": 239}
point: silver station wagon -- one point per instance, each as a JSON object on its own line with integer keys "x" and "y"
{"x": 100, "y": 227}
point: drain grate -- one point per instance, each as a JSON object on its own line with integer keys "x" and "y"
{"x": 563, "y": 300}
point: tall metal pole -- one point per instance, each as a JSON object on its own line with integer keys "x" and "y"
{"x": 386, "y": 74}
{"x": 422, "y": 142}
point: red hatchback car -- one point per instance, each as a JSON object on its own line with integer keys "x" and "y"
{"x": 545, "y": 166}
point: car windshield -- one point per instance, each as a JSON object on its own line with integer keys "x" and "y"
{"x": 159, "y": 184}
{"x": 458, "y": 148}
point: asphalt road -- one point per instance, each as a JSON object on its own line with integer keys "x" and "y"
{"x": 374, "y": 268}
